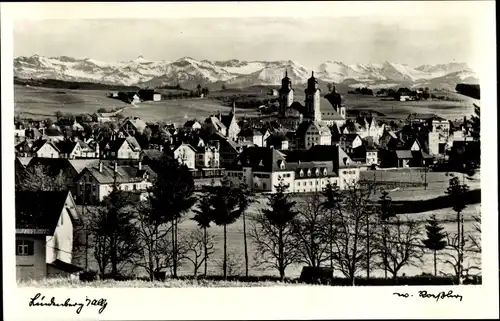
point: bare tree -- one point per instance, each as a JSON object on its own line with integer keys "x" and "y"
{"x": 401, "y": 246}
{"x": 350, "y": 253}
{"x": 195, "y": 246}
{"x": 454, "y": 258}
{"x": 231, "y": 264}
{"x": 272, "y": 232}
{"x": 155, "y": 254}
{"x": 476, "y": 239}
{"x": 310, "y": 231}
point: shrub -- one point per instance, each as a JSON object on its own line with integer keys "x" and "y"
{"x": 89, "y": 276}
{"x": 316, "y": 275}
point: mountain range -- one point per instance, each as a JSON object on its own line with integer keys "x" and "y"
{"x": 189, "y": 72}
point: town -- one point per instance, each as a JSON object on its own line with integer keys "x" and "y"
{"x": 77, "y": 174}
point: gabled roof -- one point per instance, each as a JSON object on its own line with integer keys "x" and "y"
{"x": 37, "y": 144}
{"x": 66, "y": 146}
{"x": 219, "y": 126}
{"x": 349, "y": 137}
{"x": 53, "y": 131}
{"x": 40, "y": 210}
{"x": 185, "y": 145}
{"x": 138, "y": 123}
{"x": 259, "y": 159}
{"x": 124, "y": 174}
{"x": 404, "y": 154}
{"x": 321, "y": 127}
{"x": 190, "y": 123}
{"x": 114, "y": 145}
{"x": 80, "y": 164}
{"x": 312, "y": 166}
{"x": 153, "y": 154}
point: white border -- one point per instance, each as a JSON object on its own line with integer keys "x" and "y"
{"x": 261, "y": 303}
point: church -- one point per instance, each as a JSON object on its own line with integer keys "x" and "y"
{"x": 312, "y": 120}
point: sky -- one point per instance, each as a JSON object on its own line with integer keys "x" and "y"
{"x": 409, "y": 40}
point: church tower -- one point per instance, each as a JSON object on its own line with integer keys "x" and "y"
{"x": 313, "y": 94}
{"x": 285, "y": 94}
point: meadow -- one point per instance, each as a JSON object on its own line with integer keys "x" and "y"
{"x": 39, "y": 102}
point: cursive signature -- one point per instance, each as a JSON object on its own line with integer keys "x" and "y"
{"x": 426, "y": 295}
{"x": 40, "y": 301}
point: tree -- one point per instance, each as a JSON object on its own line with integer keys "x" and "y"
{"x": 102, "y": 110}
{"x": 402, "y": 245}
{"x": 350, "y": 253}
{"x": 37, "y": 178}
{"x": 223, "y": 87}
{"x": 476, "y": 239}
{"x": 58, "y": 115}
{"x": 309, "y": 231}
{"x": 385, "y": 213}
{"x": 232, "y": 263}
{"x": 225, "y": 200}
{"x": 171, "y": 196}
{"x": 246, "y": 200}
{"x": 113, "y": 232}
{"x": 456, "y": 191}
{"x": 435, "y": 238}
{"x": 330, "y": 87}
{"x": 454, "y": 258}
{"x": 155, "y": 252}
{"x": 272, "y": 232}
{"x": 198, "y": 89}
{"x": 332, "y": 203}
{"x": 195, "y": 247}
{"x": 203, "y": 216}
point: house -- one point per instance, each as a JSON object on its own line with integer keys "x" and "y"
{"x": 317, "y": 133}
{"x": 349, "y": 142}
{"x": 133, "y": 125}
{"x": 253, "y": 136}
{"x": 103, "y": 117}
{"x": 129, "y": 97}
{"x": 53, "y": 134}
{"x": 149, "y": 95}
{"x": 120, "y": 148}
{"x": 96, "y": 182}
{"x": 213, "y": 124}
{"x": 39, "y": 148}
{"x": 71, "y": 123}
{"x": 303, "y": 171}
{"x": 439, "y": 125}
{"x": 207, "y": 156}
{"x": 192, "y": 125}
{"x": 152, "y": 158}
{"x": 185, "y": 154}
{"x": 366, "y": 154}
{"x": 228, "y": 149}
{"x": 68, "y": 149}
{"x": 45, "y": 225}
{"x": 231, "y": 124}
{"x": 277, "y": 140}
{"x": 19, "y": 135}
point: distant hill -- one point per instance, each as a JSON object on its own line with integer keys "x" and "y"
{"x": 64, "y": 84}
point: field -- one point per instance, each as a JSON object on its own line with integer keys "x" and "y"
{"x": 39, "y": 102}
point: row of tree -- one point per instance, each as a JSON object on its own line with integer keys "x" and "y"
{"x": 343, "y": 230}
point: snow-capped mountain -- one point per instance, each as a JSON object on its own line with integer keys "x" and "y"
{"x": 189, "y": 72}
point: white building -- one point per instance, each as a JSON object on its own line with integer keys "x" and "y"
{"x": 44, "y": 235}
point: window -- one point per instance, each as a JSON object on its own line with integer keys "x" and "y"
{"x": 301, "y": 173}
{"x": 298, "y": 183}
{"x": 200, "y": 156}
{"x": 264, "y": 185}
{"x": 135, "y": 187}
{"x": 310, "y": 183}
{"x": 126, "y": 187}
{"x": 24, "y": 247}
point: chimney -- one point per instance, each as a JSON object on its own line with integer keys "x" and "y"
{"x": 116, "y": 167}
{"x": 140, "y": 165}
{"x": 100, "y": 167}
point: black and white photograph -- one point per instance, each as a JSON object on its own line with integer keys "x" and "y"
{"x": 330, "y": 150}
